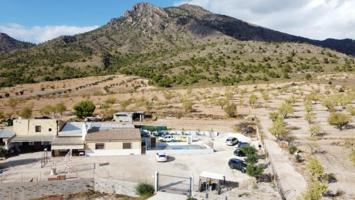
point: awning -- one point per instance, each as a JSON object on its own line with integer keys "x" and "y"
{"x": 65, "y": 143}
{"x": 67, "y": 147}
{"x": 32, "y": 139}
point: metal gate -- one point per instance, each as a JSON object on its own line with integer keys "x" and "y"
{"x": 173, "y": 184}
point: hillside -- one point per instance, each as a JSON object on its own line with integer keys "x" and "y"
{"x": 176, "y": 46}
{"x": 9, "y": 44}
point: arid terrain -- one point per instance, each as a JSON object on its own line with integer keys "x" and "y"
{"x": 332, "y": 147}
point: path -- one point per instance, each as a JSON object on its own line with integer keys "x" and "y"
{"x": 291, "y": 182}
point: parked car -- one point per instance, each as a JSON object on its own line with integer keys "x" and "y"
{"x": 242, "y": 144}
{"x": 231, "y": 141}
{"x": 167, "y": 138}
{"x": 237, "y": 164}
{"x": 161, "y": 157}
{"x": 239, "y": 153}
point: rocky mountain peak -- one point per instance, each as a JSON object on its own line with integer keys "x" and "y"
{"x": 145, "y": 13}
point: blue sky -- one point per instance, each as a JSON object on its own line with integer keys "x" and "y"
{"x": 66, "y": 12}
{"x": 41, "y": 20}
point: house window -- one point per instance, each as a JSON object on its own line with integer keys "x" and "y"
{"x": 38, "y": 129}
{"x": 99, "y": 146}
{"x": 126, "y": 145}
{"x": 50, "y": 129}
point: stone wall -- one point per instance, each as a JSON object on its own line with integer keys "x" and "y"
{"x": 24, "y": 191}
{"x": 115, "y": 187}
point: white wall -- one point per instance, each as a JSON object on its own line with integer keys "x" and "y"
{"x": 116, "y": 152}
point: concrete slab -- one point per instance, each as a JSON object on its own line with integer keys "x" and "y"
{"x": 165, "y": 196}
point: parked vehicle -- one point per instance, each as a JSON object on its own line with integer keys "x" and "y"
{"x": 242, "y": 144}
{"x": 231, "y": 141}
{"x": 239, "y": 153}
{"x": 167, "y": 138}
{"x": 237, "y": 164}
{"x": 161, "y": 157}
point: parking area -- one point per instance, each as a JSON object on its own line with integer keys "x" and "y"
{"x": 27, "y": 167}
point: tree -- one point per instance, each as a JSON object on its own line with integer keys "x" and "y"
{"x": 187, "y": 104}
{"x": 124, "y": 104}
{"x": 106, "y": 60}
{"x": 315, "y": 191}
{"x": 340, "y": 120}
{"x": 12, "y": 103}
{"x": 26, "y": 113}
{"x": 252, "y": 100}
{"x": 329, "y": 104}
{"x": 310, "y": 117}
{"x": 60, "y": 108}
{"x": 315, "y": 130}
{"x": 285, "y": 109}
{"x": 351, "y": 110}
{"x": 110, "y": 100}
{"x": 47, "y": 110}
{"x": 274, "y": 115}
{"x": 231, "y": 109}
{"x": 254, "y": 170}
{"x": 84, "y": 109}
{"x": 222, "y": 102}
{"x": 278, "y": 128}
{"x": 266, "y": 96}
{"x": 308, "y": 105}
{"x": 315, "y": 169}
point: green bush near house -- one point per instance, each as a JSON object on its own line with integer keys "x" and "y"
{"x": 84, "y": 109}
{"x": 144, "y": 189}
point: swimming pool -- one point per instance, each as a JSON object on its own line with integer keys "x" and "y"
{"x": 184, "y": 148}
{"x": 181, "y": 147}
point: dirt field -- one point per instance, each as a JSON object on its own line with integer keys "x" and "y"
{"x": 332, "y": 148}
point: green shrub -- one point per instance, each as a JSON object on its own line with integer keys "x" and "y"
{"x": 292, "y": 149}
{"x": 144, "y": 189}
{"x": 351, "y": 110}
{"x": 274, "y": 115}
{"x": 340, "y": 120}
{"x": 84, "y": 109}
{"x": 230, "y": 109}
{"x": 254, "y": 170}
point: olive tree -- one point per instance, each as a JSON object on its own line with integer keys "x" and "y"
{"x": 310, "y": 117}
{"x": 26, "y": 113}
{"x": 278, "y": 128}
{"x": 329, "y": 103}
{"x": 187, "y": 104}
{"x": 286, "y": 109}
{"x": 315, "y": 130}
{"x": 231, "y": 109}
{"x": 338, "y": 119}
{"x": 253, "y": 100}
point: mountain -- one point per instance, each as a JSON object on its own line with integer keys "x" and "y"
{"x": 9, "y": 44}
{"x": 177, "y": 46}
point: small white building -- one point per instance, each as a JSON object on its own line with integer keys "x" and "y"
{"x": 128, "y": 117}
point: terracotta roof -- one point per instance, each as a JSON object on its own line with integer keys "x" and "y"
{"x": 114, "y": 135}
